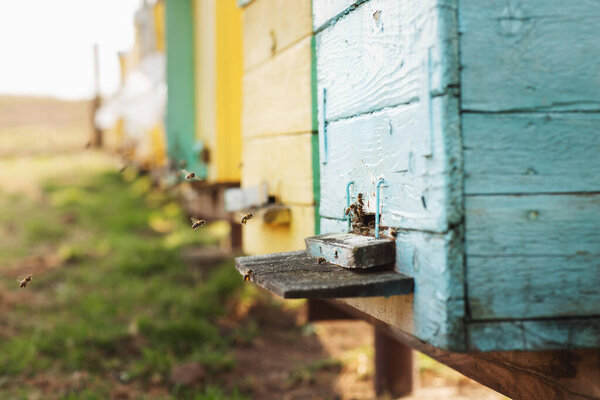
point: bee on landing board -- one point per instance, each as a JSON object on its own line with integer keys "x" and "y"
{"x": 248, "y": 275}
{"x": 24, "y": 280}
{"x": 321, "y": 260}
{"x": 246, "y": 218}
{"x": 197, "y": 223}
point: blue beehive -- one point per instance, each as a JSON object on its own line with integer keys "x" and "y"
{"x": 482, "y": 119}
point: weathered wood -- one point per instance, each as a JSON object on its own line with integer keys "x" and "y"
{"x": 324, "y": 11}
{"x": 386, "y": 53}
{"x": 284, "y": 162}
{"x": 352, "y": 251}
{"x": 535, "y": 335}
{"x": 277, "y": 94}
{"x": 516, "y": 287}
{"x": 436, "y": 313}
{"x": 521, "y": 375}
{"x": 271, "y": 26}
{"x": 262, "y": 238}
{"x": 529, "y": 55}
{"x": 531, "y": 153}
{"x": 420, "y": 164}
{"x": 296, "y": 275}
{"x": 542, "y": 225}
{"x": 242, "y": 199}
{"x": 393, "y": 366}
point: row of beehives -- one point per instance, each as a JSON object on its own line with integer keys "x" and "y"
{"x": 488, "y": 154}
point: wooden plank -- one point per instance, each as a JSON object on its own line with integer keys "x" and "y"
{"x": 262, "y": 238}
{"x": 276, "y": 95}
{"x": 535, "y": 335}
{"x": 531, "y": 153}
{"x": 386, "y": 53}
{"x": 542, "y": 225}
{"x": 294, "y": 275}
{"x": 533, "y": 287}
{"x": 521, "y": 375}
{"x": 422, "y": 171}
{"x": 515, "y": 51}
{"x": 284, "y": 162}
{"x": 352, "y": 251}
{"x": 325, "y": 10}
{"x": 270, "y": 26}
{"x": 437, "y": 309}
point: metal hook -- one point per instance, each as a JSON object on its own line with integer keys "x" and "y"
{"x": 381, "y": 180}
{"x": 348, "y": 203}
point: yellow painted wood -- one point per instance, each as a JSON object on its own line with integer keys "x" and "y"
{"x": 262, "y": 238}
{"x": 158, "y": 144}
{"x": 284, "y": 162}
{"x": 229, "y": 91}
{"x": 159, "y": 25}
{"x": 277, "y": 94}
{"x": 271, "y": 26}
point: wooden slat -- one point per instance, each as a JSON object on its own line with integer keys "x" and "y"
{"x": 352, "y": 251}
{"x": 386, "y": 53}
{"x": 533, "y": 287}
{"x": 530, "y": 55}
{"x": 284, "y": 162}
{"x": 529, "y": 153}
{"x": 276, "y": 95}
{"x": 422, "y": 188}
{"x": 542, "y": 225}
{"x": 262, "y": 238}
{"x": 535, "y": 335}
{"x": 325, "y": 10}
{"x": 295, "y": 275}
{"x": 273, "y": 25}
{"x": 437, "y": 310}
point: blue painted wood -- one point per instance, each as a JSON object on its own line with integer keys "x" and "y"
{"x": 535, "y": 335}
{"x": 349, "y": 250}
{"x": 531, "y": 153}
{"x": 530, "y": 55}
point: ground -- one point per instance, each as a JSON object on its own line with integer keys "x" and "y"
{"x": 127, "y": 302}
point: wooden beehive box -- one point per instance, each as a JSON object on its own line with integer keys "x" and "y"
{"x": 279, "y": 134}
{"x": 482, "y": 119}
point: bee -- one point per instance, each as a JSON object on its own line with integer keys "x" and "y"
{"x": 24, "y": 280}
{"x": 197, "y": 223}
{"x": 188, "y": 175}
{"x": 248, "y": 275}
{"x": 321, "y": 260}
{"x": 246, "y": 218}
{"x": 122, "y": 168}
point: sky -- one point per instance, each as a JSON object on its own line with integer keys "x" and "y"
{"x": 46, "y": 46}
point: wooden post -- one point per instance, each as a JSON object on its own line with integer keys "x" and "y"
{"x": 393, "y": 366}
{"x": 96, "y": 139}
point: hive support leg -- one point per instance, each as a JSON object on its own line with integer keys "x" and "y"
{"x": 236, "y": 236}
{"x": 393, "y": 366}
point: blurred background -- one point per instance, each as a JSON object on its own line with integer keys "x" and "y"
{"x": 126, "y": 301}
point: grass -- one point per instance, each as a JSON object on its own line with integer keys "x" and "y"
{"x": 118, "y": 300}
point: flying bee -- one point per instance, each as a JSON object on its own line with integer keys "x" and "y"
{"x": 197, "y": 223}
{"x": 246, "y": 218}
{"x": 188, "y": 175}
{"x": 248, "y": 275}
{"x": 24, "y": 280}
{"x": 122, "y": 168}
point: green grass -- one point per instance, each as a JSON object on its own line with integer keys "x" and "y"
{"x": 122, "y": 300}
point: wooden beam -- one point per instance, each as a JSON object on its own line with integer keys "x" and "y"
{"x": 349, "y": 250}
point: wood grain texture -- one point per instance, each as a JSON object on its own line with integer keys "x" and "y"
{"x": 533, "y": 225}
{"x": 262, "y": 238}
{"x": 325, "y": 10}
{"x": 420, "y": 162}
{"x": 276, "y": 95}
{"x": 435, "y": 261}
{"x": 295, "y": 275}
{"x": 516, "y": 287}
{"x": 352, "y": 251}
{"x": 535, "y": 335}
{"x": 273, "y": 25}
{"x": 531, "y": 153}
{"x": 386, "y": 53}
{"x": 284, "y": 162}
{"x": 530, "y": 55}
